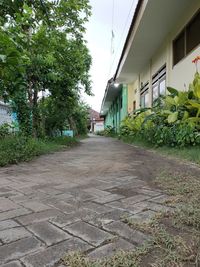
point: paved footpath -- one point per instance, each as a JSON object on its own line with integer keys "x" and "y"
{"x": 76, "y": 200}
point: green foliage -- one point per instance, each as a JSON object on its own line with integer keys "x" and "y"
{"x": 174, "y": 119}
{"x": 5, "y": 130}
{"x": 109, "y": 131}
{"x": 42, "y": 49}
{"x": 14, "y": 149}
{"x": 57, "y": 116}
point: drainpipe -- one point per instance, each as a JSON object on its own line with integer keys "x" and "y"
{"x": 150, "y": 84}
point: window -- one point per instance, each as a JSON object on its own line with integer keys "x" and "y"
{"x": 187, "y": 40}
{"x": 144, "y": 96}
{"x": 179, "y": 47}
{"x": 159, "y": 83}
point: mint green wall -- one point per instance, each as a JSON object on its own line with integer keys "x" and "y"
{"x": 124, "y": 110}
{"x": 116, "y": 114}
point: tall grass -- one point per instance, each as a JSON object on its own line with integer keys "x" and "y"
{"x": 14, "y": 149}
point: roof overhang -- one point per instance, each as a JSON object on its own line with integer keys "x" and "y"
{"x": 152, "y": 22}
{"x": 111, "y": 92}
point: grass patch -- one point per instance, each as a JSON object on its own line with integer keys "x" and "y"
{"x": 188, "y": 153}
{"x": 120, "y": 259}
{"x": 14, "y": 149}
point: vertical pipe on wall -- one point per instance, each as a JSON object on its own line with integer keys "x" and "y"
{"x": 150, "y": 84}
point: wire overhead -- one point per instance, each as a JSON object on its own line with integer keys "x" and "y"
{"x": 113, "y": 52}
{"x": 112, "y": 28}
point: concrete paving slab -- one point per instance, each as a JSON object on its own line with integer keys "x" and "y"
{"x": 8, "y": 224}
{"x": 13, "y": 264}
{"x": 89, "y": 233}
{"x": 48, "y": 233}
{"x": 13, "y": 213}
{"x": 123, "y": 230}
{"x": 6, "y": 204}
{"x": 109, "y": 249}
{"x": 38, "y": 216}
{"x": 35, "y": 206}
{"x": 14, "y": 234}
{"x": 143, "y": 217}
{"x": 108, "y": 198}
{"x": 135, "y": 199}
{"x": 18, "y": 249}
{"x": 53, "y": 254}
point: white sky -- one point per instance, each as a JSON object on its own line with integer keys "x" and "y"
{"x": 98, "y": 36}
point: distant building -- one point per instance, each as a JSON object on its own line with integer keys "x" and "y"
{"x": 95, "y": 123}
{"x": 5, "y": 113}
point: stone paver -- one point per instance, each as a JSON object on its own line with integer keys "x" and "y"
{"x": 107, "y": 217}
{"x": 13, "y": 213}
{"x": 111, "y": 248}
{"x": 108, "y": 198}
{"x": 13, "y": 234}
{"x": 89, "y": 233}
{"x": 13, "y": 264}
{"x": 38, "y": 217}
{"x": 53, "y": 254}
{"x": 18, "y": 249}
{"x": 6, "y": 204}
{"x": 143, "y": 217}
{"x": 48, "y": 233}
{"x": 123, "y": 230}
{"x": 35, "y": 206}
{"x": 8, "y": 224}
{"x": 160, "y": 199}
{"x": 76, "y": 200}
{"x": 135, "y": 199}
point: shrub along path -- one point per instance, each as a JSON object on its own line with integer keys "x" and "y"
{"x": 97, "y": 198}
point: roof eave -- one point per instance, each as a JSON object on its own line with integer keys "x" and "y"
{"x": 136, "y": 13}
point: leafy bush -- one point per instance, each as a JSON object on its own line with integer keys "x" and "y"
{"x": 174, "y": 119}
{"x": 5, "y": 130}
{"x": 108, "y": 131}
{"x": 63, "y": 140}
{"x": 14, "y": 149}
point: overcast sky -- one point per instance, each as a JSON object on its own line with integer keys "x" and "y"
{"x": 98, "y": 36}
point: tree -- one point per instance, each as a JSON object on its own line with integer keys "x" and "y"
{"x": 48, "y": 53}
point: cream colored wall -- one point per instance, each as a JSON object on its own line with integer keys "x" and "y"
{"x": 180, "y": 75}
{"x": 144, "y": 75}
{"x": 159, "y": 59}
{"x": 132, "y": 95}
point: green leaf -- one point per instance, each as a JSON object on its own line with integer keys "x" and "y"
{"x": 172, "y": 91}
{"x": 3, "y": 58}
{"x": 185, "y": 115}
{"x": 172, "y": 117}
{"x": 194, "y": 104}
{"x": 170, "y": 100}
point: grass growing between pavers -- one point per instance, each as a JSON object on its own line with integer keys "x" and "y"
{"x": 175, "y": 235}
{"x": 14, "y": 149}
{"x": 120, "y": 259}
{"x": 190, "y": 153}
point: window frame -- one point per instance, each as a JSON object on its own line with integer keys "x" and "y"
{"x": 144, "y": 90}
{"x": 157, "y": 79}
{"x": 184, "y": 30}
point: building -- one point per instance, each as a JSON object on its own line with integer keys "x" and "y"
{"x": 163, "y": 39}
{"x": 5, "y": 113}
{"x": 95, "y": 122}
